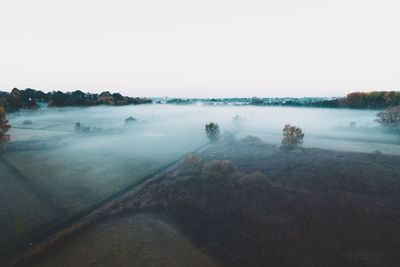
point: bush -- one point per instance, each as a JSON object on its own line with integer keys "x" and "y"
{"x": 191, "y": 165}
{"x": 292, "y": 136}
{"x": 390, "y": 119}
{"x": 130, "y": 120}
{"x": 212, "y": 131}
{"x": 219, "y": 169}
{"x": 4, "y": 127}
{"x": 256, "y": 181}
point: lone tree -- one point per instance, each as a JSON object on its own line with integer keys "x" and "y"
{"x": 390, "y": 119}
{"x": 212, "y": 131}
{"x": 4, "y": 127}
{"x": 292, "y": 136}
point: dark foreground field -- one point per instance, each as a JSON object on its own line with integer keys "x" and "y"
{"x": 246, "y": 203}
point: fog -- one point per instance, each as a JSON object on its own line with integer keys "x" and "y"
{"x": 51, "y": 170}
{"x": 352, "y": 130}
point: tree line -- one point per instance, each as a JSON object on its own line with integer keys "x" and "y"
{"x": 361, "y": 100}
{"x": 28, "y": 98}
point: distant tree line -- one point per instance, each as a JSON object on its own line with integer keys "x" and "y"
{"x": 28, "y": 98}
{"x": 371, "y": 100}
{"x": 381, "y": 99}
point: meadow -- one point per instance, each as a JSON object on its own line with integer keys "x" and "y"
{"x": 53, "y": 172}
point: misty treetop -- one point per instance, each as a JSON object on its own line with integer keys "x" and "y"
{"x": 27, "y": 99}
{"x": 212, "y": 131}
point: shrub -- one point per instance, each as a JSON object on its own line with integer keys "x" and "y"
{"x": 191, "y": 164}
{"x": 390, "y": 119}
{"x": 4, "y": 127}
{"x": 212, "y": 131}
{"x": 130, "y": 120}
{"x": 218, "y": 169}
{"x": 292, "y": 136}
{"x": 256, "y": 181}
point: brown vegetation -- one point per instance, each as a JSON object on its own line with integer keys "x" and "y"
{"x": 26, "y": 99}
{"x": 191, "y": 164}
{"x": 276, "y": 209}
{"x": 4, "y": 127}
{"x": 292, "y": 136}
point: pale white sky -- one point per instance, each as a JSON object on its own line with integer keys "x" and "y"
{"x": 215, "y": 48}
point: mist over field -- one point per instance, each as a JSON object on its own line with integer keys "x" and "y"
{"x": 199, "y": 133}
{"x": 63, "y": 163}
{"x": 346, "y": 129}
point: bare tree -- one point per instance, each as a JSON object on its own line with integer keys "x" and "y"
{"x": 390, "y": 119}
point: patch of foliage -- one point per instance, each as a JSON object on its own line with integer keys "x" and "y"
{"x": 129, "y": 120}
{"x": 191, "y": 164}
{"x": 26, "y": 99}
{"x": 4, "y": 127}
{"x": 292, "y": 136}
{"x": 212, "y": 131}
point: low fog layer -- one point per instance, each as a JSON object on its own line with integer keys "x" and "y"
{"x": 61, "y": 161}
{"x": 341, "y": 129}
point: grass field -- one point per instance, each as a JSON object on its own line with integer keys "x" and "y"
{"x": 63, "y": 175}
{"x": 131, "y": 240}
{"x": 80, "y": 174}
{"x": 262, "y": 207}
{"x": 53, "y": 172}
{"x": 20, "y": 202}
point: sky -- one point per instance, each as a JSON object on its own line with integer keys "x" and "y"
{"x": 207, "y": 48}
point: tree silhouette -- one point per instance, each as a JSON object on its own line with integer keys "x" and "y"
{"x": 390, "y": 119}
{"x": 212, "y": 131}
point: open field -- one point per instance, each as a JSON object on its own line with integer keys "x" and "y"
{"x": 265, "y": 207}
{"x": 61, "y": 172}
{"x": 19, "y": 200}
{"x": 48, "y": 177}
{"x": 132, "y": 240}
{"x": 82, "y": 173}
